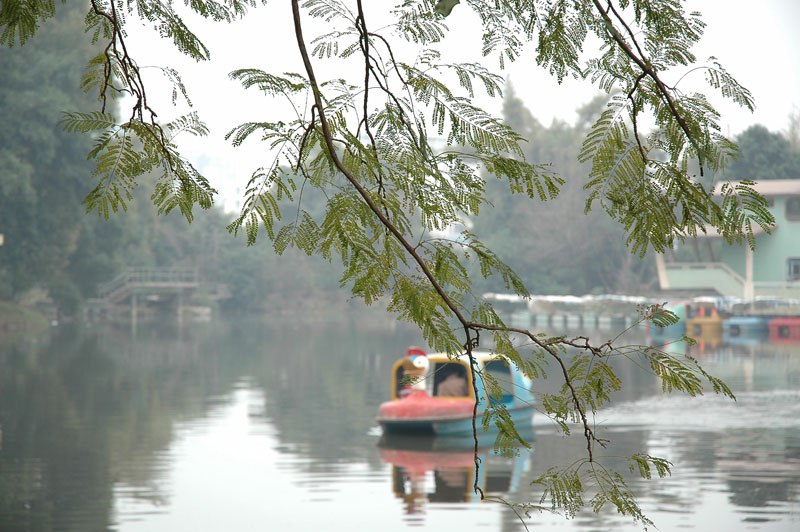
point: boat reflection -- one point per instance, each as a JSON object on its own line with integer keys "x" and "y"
{"x": 698, "y": 345}
{"x": 430, "y": 469}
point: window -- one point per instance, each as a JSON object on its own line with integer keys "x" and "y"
{"x": 793, "y": 208}
{"x": 450, "y": 380}
{"x": 793, "y": 269}
{"x": 502, "y": 374}
{"x": 401, "y": 385}
{"x": 408, "y": 377}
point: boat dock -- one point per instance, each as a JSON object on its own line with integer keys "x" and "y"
{"x": 142, "y": 292}
{"x": 702, "y": 318}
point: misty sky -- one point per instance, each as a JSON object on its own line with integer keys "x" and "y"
{"x": 759, "y": 46}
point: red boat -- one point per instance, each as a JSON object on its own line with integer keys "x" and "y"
{"x": 784, "y": 330}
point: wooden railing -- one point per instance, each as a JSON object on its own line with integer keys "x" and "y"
{"x": 716, "y": 276}
{"x": 154, "y": 277}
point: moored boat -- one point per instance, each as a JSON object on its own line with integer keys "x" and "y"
{"x": 784, "y": 329}
{"x": 434, "y": 394}
{"x": 745, "y": 326}
{"x": 660, "y": 334}
{"x": 704, "y": 321}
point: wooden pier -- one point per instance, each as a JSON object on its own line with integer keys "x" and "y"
{"x": 142, "y": 291}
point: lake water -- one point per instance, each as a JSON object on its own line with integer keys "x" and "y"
{"x": 270, "y": 427}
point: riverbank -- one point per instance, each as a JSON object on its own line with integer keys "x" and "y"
{"x": 16, "y": 319}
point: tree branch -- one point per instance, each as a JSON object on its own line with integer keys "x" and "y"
{"x": 133, "y": 80}
{"x": 644, "y": 64}
{"x": 384, "y": 219}
{"x": 351, "y": 178}
{"x": 449, "y": 303}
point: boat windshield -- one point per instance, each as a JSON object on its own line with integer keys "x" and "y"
{"x": 450, "y": 380}
{"x": 407, "y": 378}
{"x": 501, "y": 373}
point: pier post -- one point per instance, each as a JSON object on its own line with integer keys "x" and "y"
{"x": 748, "y": 273}
{"x": 180, "y": 308}
{"x": 134, "y": 312}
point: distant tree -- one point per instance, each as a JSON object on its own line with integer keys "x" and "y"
{"x": 554, "y": 247}
{"x": 44, "y": 173}
{"x": 365, "y": 146}
{"x": 793, "y": 131}
{"x": 764, "y": 155}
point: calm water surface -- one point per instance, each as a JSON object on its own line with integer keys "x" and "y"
{"x": 260, "y": 427}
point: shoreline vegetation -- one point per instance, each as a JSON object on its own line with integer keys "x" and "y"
{"x": 18, "y": 319}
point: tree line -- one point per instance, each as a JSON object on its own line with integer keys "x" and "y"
{"x": 52, "y": 247}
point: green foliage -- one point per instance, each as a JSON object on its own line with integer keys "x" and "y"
{"x": 643, "y": 463}
{"x": 563, "y": 251}
{"x": 508, "y": 440}
{"x": 44, "y": 172}
{"x": 21, "y": 20}
{"x": 121, "y": 160}
{"x": 683, "y": 374}
{"x": 668, "y": 203}
{"x": 561, "y": 39}
{"x": 720, "y": 79}
{"x": 564, "y": 489}
{"x": 594, "y": 381}
{"x": 659, "y": 315}
{"x": 764, "y": 155}
{"x": 444, "y": 7}
{"x": 611, "y": 488}
{"x": 356, "y": 178}
{"x": 667, "y": 197}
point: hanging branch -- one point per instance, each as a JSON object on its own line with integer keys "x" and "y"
{"x": 132, "y": 80}
{"x": 647, "y": 69}
{"x": 449, "y": 303}
{"x": 420, "y": 177}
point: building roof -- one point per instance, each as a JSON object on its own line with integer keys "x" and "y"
{"x": 769, "y": 187}
{"x": 711, "y": 231}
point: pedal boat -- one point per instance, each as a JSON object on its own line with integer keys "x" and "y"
{"x": 424, "y": 402}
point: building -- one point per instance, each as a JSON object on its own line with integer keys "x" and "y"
{"x": 772, "y": 270}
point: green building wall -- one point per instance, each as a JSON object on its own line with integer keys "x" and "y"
{"x": 772, "y": 250}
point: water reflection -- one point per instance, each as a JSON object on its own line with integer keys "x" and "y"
{"x": 79, "y": 418}
{"x": 430, "y": 470}
{"x": 252, "y": 426}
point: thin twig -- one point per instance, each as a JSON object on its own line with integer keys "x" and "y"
{"x": 390, "y": 227}
{"x": 644, "y": 64}
{"x": 133, "y": 80}
{"x": 635, "y": 111}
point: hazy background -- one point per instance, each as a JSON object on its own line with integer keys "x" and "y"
{"x": 757, "y": 42}
{"x": 54, "y": 252}
{"x": 262, "y": 417}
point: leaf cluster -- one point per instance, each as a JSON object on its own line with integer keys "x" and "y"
{"x": 422, "y": 190}
{"x": 399, "y": 164}
{"x": 565, "y": 489}
{"x": 125, "y": 152}
{"x": 20, "y": 20}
